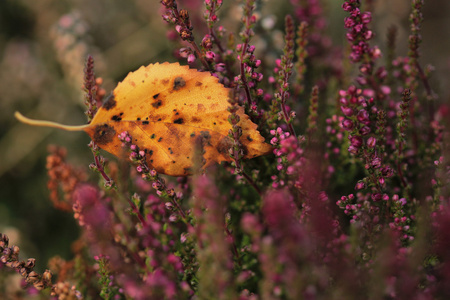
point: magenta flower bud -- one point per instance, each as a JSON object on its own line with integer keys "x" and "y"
{"x": 376, "y": 163}
{"x": 360, "y": 185}
{"x": 251, "y": 48}
{"x": 209, "y": 55}
{"x": 220, "y": 67}
{"x": 387, "y": 172}
{"x": 365, "y": 130}
{"x": 376, "y": 197}
{"x": 361, "y": 80}
{"x": 385, "y": 89}
{"x": 356, "y": 141}
{"x": 346, "y": 6}
{"x": 368, "y": 34}
{"x": 347, "y": 111}
{"x": 349, "y": 22}
{"x": 371, "y": 142}
{"x": 348, "y": 124}
{"x": 363, "y": 116}
{"x": 191, "y": 58}
{"x": 353, "y": 150}
{"x": 366, "y": 17}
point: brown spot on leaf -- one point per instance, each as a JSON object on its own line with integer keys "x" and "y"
{"x": 116, "y": 118}
{"x": 198, "y": 83}
{"x": 110, "y": 102}
{"x": 195, "y": 120}
{"x": 178, "y": 83}
{"x": 103, "y": 134}
{"x": 178, "y": 121}
{"x": 200, "y": 107}
{"x": 165, "y": 81}
{"x": 157, "y": 104}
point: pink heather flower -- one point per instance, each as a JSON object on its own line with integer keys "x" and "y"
{"x": 209, "y": 55}
{"x": 347, "y": 111}
{"x": 360, "y": 185}
{"x": 356, "y": 141}
{"x": 191, "y": 58}
{"x": 348, "y": 124}
{"x": 371, "y": 142}
{"x": 365, "y": 130}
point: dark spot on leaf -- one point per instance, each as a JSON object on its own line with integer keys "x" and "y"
{"x": 110, "y": 102}
{"x": 116, "y": 118}
{"x": 178, "y": 121}
{"x": 138, "y": 119}
{"x": 150, "y": 152}
{"x": 214, "y": 123}
{"x": 193, "y": 134}
{"x": 177, "y": 113}
{"x": 103, "y": 134}
{"x": 157, "y": 104}
{"x": 173, "y": 161}
{"x": 151, "y": 161}
{"x": 146, "y": 119}
{"x": 152, "y": 136}
{"x": 121, "y": 114}
{"x": 145, "y": 122}
{"x": 159, "y": 119}
{"x": 249, "y": 138}
{"x": 198, "y": 83}
{"x": 178, "y": 83}
{"x": 160, "y": 139}
{"x": 155, "y": 96}
{"x": 170, "y": 150}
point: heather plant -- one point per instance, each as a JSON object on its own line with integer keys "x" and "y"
{"x": 352, "y": 203}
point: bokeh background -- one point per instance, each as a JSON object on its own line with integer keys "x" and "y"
{"x": 43, "y": 47}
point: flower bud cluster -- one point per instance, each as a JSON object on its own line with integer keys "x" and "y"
{"x": 248, "y": 64}
{"x": 9, "y": 256}
{"x": 358, "y": 32}
{"x": 289, "y": 157}
{"x": 179, "y": 18}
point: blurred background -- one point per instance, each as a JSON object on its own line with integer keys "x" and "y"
{"x": 43, "y": 47}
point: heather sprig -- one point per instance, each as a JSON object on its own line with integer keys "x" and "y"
{"x": 285, "y": 72}
{"x": 301, "y": 54}
{"x": 93, "y": 98}
{"x": 248, "y": 78}
{"x": 10, "y": 258}
{"x": 180, "y": 19}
